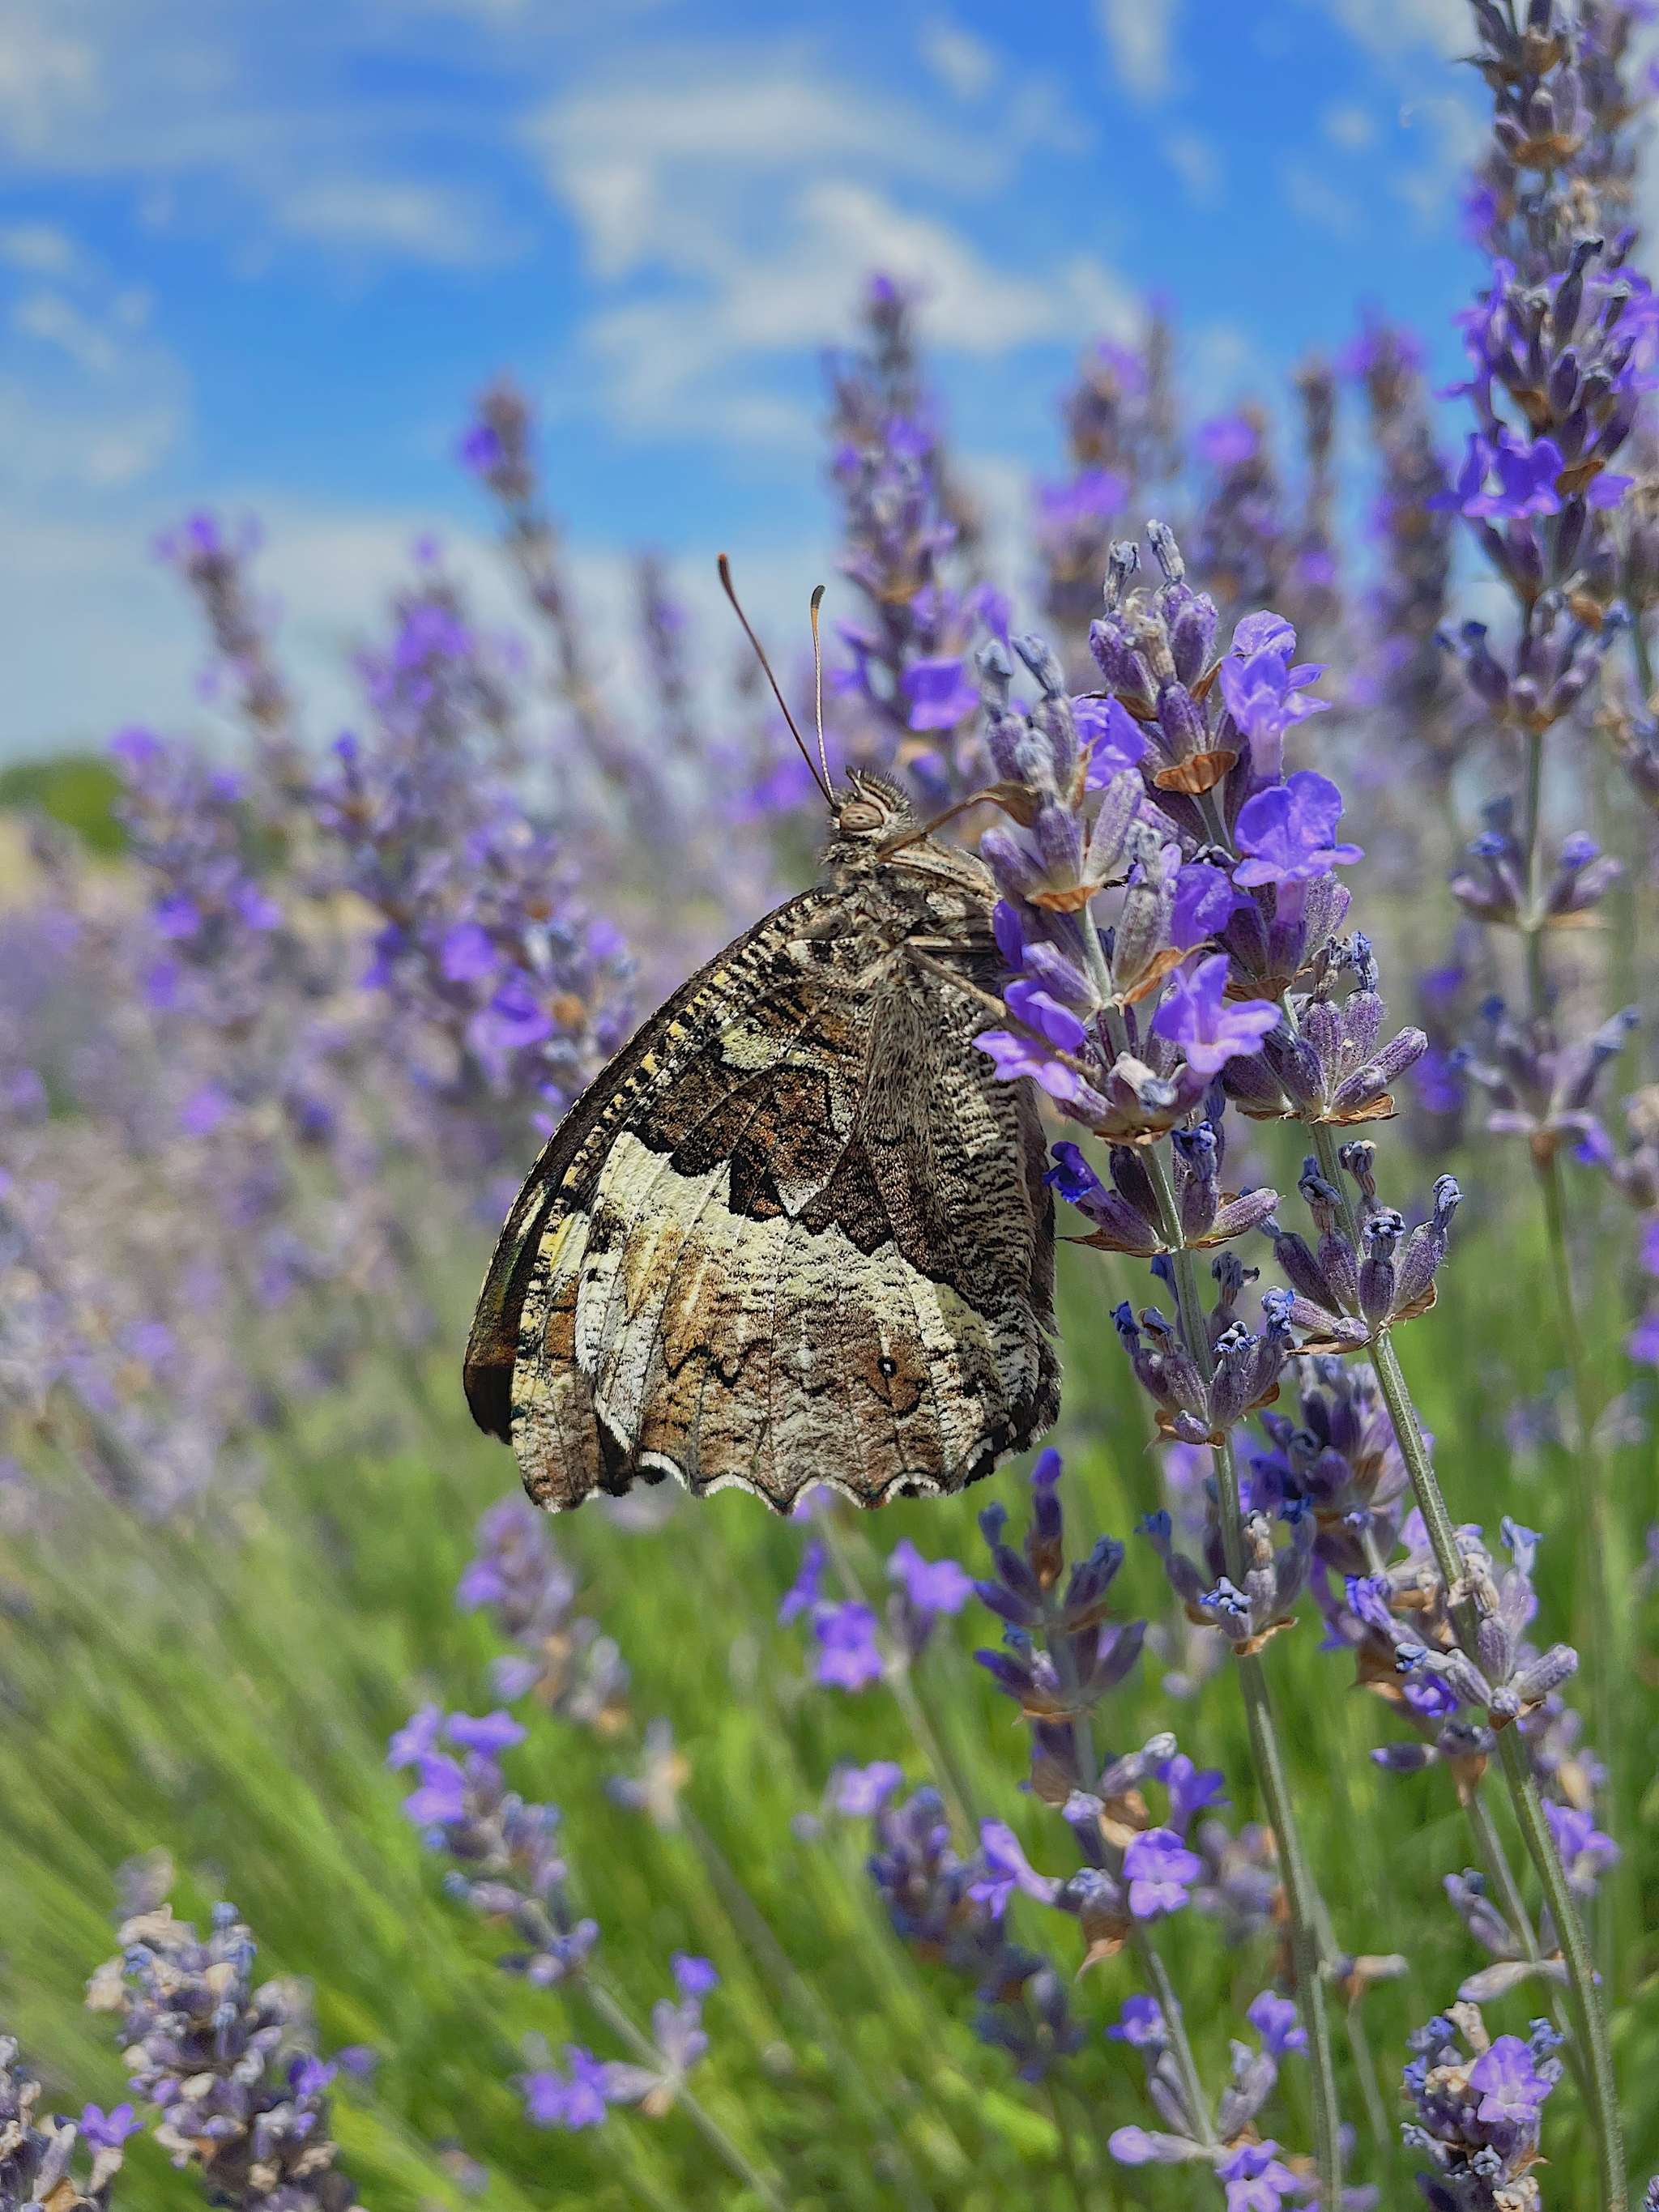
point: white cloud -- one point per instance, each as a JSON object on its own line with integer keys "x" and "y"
{"x": 1347, "y": 126}
{"x": 40, "y": 248}
{"x": 962, "y": 64}
{"x": 1139, "y": 37}
{"x": 417, "y": 222}
{"x": 735, "y": 220}
{"x": 1404, "y": 28}
{"x": 1196, "y": 160}
{"x": 1311, "y": 196}
{"x": 91, "y": 402}
{"x": 1449, "y": 134}
{"x": 47, "y": 76}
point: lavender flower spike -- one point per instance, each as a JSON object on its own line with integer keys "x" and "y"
{"x": 37, "y": 2155}
{"x": 228, "y": 2069}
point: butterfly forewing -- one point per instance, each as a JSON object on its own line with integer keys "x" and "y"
{"x": 797, "y": 1232}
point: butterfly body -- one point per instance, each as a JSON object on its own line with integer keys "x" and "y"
{"x": 797, "y": 1230}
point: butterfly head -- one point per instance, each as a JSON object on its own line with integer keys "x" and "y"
{"x": 871, "y": 810}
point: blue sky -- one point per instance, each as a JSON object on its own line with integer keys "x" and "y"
{"x": 255, "y": 254}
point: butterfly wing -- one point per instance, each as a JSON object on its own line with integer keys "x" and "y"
{"x": 803, "y": 1237}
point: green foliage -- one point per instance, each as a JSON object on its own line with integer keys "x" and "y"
{"x": 232, "y": 1701}
{"x": 77, "y": 789}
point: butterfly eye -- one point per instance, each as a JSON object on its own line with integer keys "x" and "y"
{"x": 862, "y": 814}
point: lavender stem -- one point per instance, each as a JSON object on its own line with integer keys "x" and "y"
{"x": 620, "y": 2024}
{"x": 1603, "y": 2101}
{"x": 1306, "y": 1949}
{"x": 1592, "y": 1489}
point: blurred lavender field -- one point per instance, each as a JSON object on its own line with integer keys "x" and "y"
{"x": 1250, "y": 1803}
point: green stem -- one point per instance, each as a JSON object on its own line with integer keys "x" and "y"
{"x": 757, "y": 1932}
{"x": 1581, "y": 1970}
{"x": 1603, "y": 2099}
{"x": 1587, "y": 1461}
{"x": 1301, "y": 1896}
{"x": 895, "y": 1672}
{"x": 1642, "y": 653}
{"x": 1490, "y": 1846}
{"x": 713, "y": 2133}
{"x": 1147, "y": 1951}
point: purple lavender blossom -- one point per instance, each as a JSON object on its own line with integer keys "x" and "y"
{"x": 1196, "y": 1015}
{"x": 570, "y": 2100}
{"x": 803, "y": 1593}
{"x": 848, "y": 1656}
{"x": 1287, "y": 834}
{"x": 1264, "y": 692}
{"x": 861, "y": 1791}
{"x": 226, "y": 2068}
{"x": 1159, "y": 1870}
{"x": 1007, "y": 1869}
{"x": 932, "y": 1585}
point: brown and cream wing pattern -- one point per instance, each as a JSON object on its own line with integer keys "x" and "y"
{"x": 804, "y": 1237}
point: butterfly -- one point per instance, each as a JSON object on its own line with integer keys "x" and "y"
{"x": 797, "y": 1230}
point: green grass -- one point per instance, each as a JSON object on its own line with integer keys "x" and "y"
{"x": 232, "y": 1702}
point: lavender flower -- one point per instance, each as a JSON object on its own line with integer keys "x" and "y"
{"x": 510, "y": 1870}
{"x": 909, "y": 689}
{"x": 947, "y": 1909}
{"x": 1342, "y": 1461}
{"x": 1159, "y": 1870}
{"x": 664, "y": 1773}
{"x": 1538, "y": 1090}
{"x": 562, "y": 1658}
{"x": 230, "y": 2069}
{"x": 1343, "y": 1294}
{"x": 848, "y": 1656}
{"x": 1478, "y": 2116}
{"x": 571, "y": 2101}
{"x": 1192, "y": 1405}
{"x": 36, "y": 2156}
{"x": 1080, "y": 1658}
{"x": 1253, "y": 2171}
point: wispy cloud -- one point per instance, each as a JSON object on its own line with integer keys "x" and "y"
{"x": 1404, "y": 28}
{"x": 735, "y": 220}
{"x": 1196, "y": 160}
{"x": 1139, "y": 37}
{"x": 962, "y": 64}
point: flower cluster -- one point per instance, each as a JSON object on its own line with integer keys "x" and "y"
{"x": 510, "y": 1869}
{"x": 238, "y": 2091}
{"x": 503, "y": 995}
{"x": 1403, "y": 675}
{"x": 1116, "y": 413}
{"x": 562, "y": 1657}
{"x": 1253, "y": 2171}
{"x": 1479, "y": 2103}
{"x": 850, "y": 1651}
{"x": 212, "y": 563}
{"x": 948, "y": 1909}
{"x": 1398, "y": 1621}
{"x": 581, "y": 2096}
{"x": 1346, "y": 1291}
{"x": 1341, "y": 1460}
{"x": 1225, "y": 866}
{"x": 908, "y": 692}
{"x": 1539, "y": 1088}
{"x": 1242, "y": 548}
{"x": 37, "y": 2157}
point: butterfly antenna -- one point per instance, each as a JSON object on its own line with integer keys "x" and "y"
{"x": 822, "y": 781}
{"x": 817, "y": 680}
